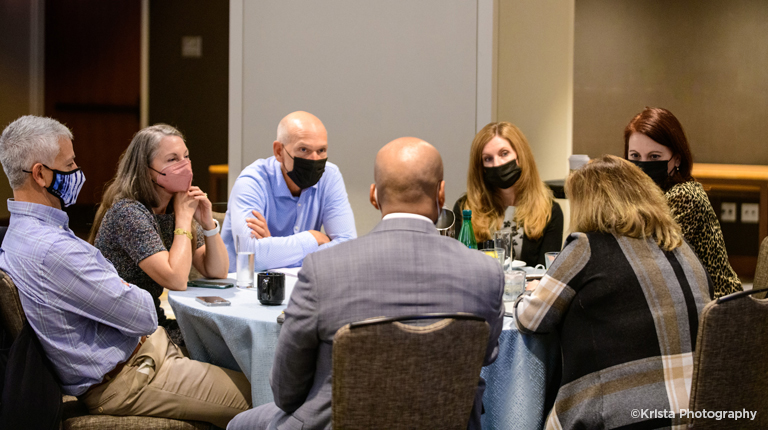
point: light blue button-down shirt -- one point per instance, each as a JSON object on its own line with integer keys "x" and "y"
{"x": 87, "y": 319}
{"x": 261, "y": 187}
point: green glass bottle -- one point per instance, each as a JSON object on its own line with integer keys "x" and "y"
{"x": 467, "y": 233}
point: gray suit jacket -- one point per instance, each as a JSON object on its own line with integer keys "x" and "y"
{"x": 402, "y": 267}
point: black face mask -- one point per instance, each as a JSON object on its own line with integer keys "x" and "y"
{"x": 657, "y": 170}
{"x": 503, "y": 176}
{"x": 305, "y": 172}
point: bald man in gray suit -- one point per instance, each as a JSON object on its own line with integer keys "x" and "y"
{"x": 402, "y": 267}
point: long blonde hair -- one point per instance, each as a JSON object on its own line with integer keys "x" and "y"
{"x": 132, "y": 180}
{"x": 611, "y": 195}
{"x": 533, "y": 198}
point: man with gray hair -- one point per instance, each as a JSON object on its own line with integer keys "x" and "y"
{"x": 282, "y": 202}
{"x": 99, "y": 332}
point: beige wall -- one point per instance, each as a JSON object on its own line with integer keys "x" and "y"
{"x": 371, "y": 71}
{"x": 705, "y": 60}
{"x": 535, "y": 78}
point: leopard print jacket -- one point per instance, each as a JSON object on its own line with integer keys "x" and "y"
{"x": 691, "y": 208}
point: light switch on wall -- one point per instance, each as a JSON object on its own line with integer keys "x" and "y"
{"x": 750, "y": 213}
{"x": 728, "y": 212}
{"x": 192, "y": 46}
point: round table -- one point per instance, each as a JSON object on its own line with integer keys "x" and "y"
{"x": 242, "y": 336}
{"x": 520, "y": 384}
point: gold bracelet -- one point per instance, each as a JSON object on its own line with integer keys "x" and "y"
{"x": 181, "y": 231}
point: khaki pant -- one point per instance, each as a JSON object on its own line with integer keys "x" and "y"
{"x": 159, "y": 381}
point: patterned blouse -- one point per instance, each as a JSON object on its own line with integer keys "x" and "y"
{"x": 627, "y": 313}
{"x": 691, "y": 208}
{"x": 129, "y": 233}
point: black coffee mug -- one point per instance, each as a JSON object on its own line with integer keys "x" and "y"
{"x": 270, "y": 287}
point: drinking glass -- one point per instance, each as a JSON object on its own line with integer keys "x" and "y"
{"x": 497, "y": 253}
{"x": 245, "y": 261}
{"x": 549, "y": 258}
{"x": 503, "y": 239}
{"x": 514, "y": 283}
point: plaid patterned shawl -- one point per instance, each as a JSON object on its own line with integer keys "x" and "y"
{"x": 627, "y": 313}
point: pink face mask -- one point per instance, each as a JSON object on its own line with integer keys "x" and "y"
{"x": 177, "y": 177}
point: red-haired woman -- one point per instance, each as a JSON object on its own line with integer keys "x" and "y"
{"x": 654, "y": 141}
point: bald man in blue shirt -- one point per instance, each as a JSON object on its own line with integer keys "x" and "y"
{"x": 282, "y": 202}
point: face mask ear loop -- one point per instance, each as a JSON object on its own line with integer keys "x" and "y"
{"x": 285, "y": 150}
{"x": 30, "y": 172}
{"x": 159, "y": 173}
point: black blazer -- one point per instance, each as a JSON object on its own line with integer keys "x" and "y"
{"x": 30, "y": 390}
{"x": 533, "y": 250}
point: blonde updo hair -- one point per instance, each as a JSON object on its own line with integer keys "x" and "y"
{"x": 611, "y": 195}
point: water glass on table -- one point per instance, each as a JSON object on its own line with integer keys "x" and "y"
{"x": 245, "y": 261}
{"x": 549, "y": 258}
{"x": 514, "y": 283}
{"x": 497, "y": 253}
{"x": 503, "y": 239}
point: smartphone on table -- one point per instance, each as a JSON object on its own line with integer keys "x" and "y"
{"x": 211, "y": 283}
{"x": 213, "y": 301}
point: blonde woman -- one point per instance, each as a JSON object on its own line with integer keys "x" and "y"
{"x": 153, "y": 225}
{"x": 504, "y": 191}
{"x": 625, "y": 295}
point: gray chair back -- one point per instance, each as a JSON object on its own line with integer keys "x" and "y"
{"x": 728, "y": 375}
{"x": 391, "y": 375}
{"x": 10, "y": 306}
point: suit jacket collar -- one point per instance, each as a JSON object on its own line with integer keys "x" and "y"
{"x": 410, "y": 224}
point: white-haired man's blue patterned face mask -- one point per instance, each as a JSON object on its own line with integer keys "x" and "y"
{"x": 65, "y": 186}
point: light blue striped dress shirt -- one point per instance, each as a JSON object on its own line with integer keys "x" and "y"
{"x": 261, "y": 187}
{"x": 87, "y": 318}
